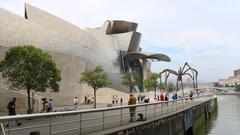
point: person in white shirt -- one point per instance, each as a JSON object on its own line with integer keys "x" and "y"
{"x": 75, "y": 102}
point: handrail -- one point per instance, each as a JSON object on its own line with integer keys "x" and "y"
{"x": 106, "y": 117}
{"x": 50, "y": 114}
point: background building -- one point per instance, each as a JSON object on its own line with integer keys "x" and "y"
{"x": 232, "y": 80}
{"x": 114, "y": 46}
{"x": 236, "y": 72}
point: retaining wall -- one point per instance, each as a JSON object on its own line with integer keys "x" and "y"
{"x": 185, "y": 122}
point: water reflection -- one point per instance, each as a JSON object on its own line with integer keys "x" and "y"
{"x": 207, "y": 125}
{"x": 226, "y": 120}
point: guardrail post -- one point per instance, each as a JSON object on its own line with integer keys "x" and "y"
{"x": 146, "y": 111}
{"x": 176, "y": 105}
{"x": 50, "y": 125}
{"x": 9, "y": 125}
{"x": 161, "y": 108}
{"x": 121, "y": 117}
{"x": 154, "y": 110}
{"x": 103, "y": 119}
{"x": 167, "y": 106}
{"x": 2, "y": 129}
{"x": 80, "y": 122}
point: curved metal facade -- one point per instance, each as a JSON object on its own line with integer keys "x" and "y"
{"x": 74, "y": 49}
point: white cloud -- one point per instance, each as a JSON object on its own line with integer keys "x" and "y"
{"x": 203, "y": 32}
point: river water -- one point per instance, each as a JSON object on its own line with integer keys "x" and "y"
{"x": 226, "y": 120}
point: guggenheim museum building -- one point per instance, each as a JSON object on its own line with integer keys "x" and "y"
{"x": 114, "y": 46}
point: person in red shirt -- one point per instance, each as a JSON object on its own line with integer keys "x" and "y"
{"x": 162, "y": 97}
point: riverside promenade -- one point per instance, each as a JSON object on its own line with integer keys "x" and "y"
{"x": 94, "y": 121}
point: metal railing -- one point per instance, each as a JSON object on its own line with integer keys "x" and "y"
{"x": 91, "y": 120}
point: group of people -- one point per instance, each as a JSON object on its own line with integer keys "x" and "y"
{"x": 162, "y": 97}
{"x": 115, "y": 99}
{"x": 88, "y": 100}
{"x": 143, "y": 99}
{"x": 47, "y": 105}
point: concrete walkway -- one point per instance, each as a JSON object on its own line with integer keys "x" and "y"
{"x": 92, "y": 123}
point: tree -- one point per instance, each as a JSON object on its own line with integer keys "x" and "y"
{"x": 162, "y": 86}
{"x": 152, "y": 82}
{"x": 237, "y": 87}
{"x": 216, "y": 84}
{"x": 130, "y": 79}
{"x": 171, "y": 87}
{"x": 29, "y": 68}
{"x": 95, "y": 78}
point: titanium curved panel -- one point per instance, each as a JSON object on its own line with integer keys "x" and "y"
{"x": 135, "y": 41}
{"x": 15, "y": 30}
{"x": 146, "y": 55}
{"x": 120, "y": 26}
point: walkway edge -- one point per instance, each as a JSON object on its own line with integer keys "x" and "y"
{"x": 138, "y": 123}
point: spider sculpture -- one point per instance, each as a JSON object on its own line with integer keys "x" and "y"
{"x": 185, "y": 70}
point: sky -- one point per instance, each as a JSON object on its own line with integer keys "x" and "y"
{"x": 204, "y": 33}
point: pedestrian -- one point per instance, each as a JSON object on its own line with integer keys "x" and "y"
{"x": 75, "y": 102}
{"x": 121, "y": 100}
{"x": 12, "y": 110}
{"x": 155, "y": 97}
{"x": 43, "y": 104}
{"x": 162, "y": 97}
{"x": 46, "y": 106}
{"x": 146, "y": 99}
{"x": 85, "y": 100}
{"x": 132, "y": 110}
{"x": 191, "y": 95}
{"x": 173, "y": 97}
{"x": 166, "y": 99}
{"x": 50, "y": 105}
{"x": 117, "y": 99}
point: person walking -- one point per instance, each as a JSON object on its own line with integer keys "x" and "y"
{"x": 12, "y": 110}
{"x": 46, "y": 106}
{"x": 50, "y": 105}
{"x": 113, "y": 99}
{"x": 162, "y": 97}
{"x": 121, "y": 100}
{"x": 75, "y": 103}
{"x": 132, "y": 101}
{"x": 166, "y": 99}
{"x": 43, "y": 104}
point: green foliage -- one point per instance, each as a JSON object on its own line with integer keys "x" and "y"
{"x": 162, "y": 86}
{"x": 171, "y": 87}
{"x": 131, "y": 79}
{"x": 216, "y": 84}
{"x": 237, "y": 87}
{"x": 95, "y": 78}
{"x": 226, "y": 85}
{"x": 27, "y": 67}
{"x": 152, "y": 82}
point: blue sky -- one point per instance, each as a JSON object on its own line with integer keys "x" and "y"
{"x": 204, "y": 33}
